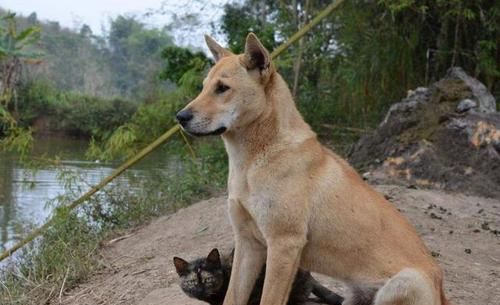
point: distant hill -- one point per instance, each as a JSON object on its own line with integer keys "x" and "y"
{"x": 123, "y": 62}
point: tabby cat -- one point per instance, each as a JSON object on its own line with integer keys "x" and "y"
{"x": 207, "y": 279}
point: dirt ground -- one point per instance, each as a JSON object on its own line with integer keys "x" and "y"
{"x": 137, "y": 269}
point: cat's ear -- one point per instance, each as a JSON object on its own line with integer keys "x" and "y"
{"x": 213, "y": 258}
{"x": 181, "y": 265}
{"x": 231, "y": 256}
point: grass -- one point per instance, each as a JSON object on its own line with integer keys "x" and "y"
{"x": 67, "y": 253}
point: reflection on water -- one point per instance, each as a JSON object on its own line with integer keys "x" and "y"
{"x": 24, "y": 192}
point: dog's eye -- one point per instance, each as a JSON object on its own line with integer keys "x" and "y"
{"x": 221, "y": 88}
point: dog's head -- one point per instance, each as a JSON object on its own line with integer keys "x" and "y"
{"x": 233, "y": 92}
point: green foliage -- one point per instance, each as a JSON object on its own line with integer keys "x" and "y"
{"x": 17, "y": 140}
{"x": 15, "y": 44}
{"x": 251, "y": 16}
{"x": 71, "y": 113}
{"x": 178, "y": 61}
{"x": 36, "y": 99}
{"x": 129, "y": 138}
{"x": 185, "y": 182}
{"x": 78, "y": 67}
{"x": 146, "y": 124}
{"x": 363, "y": 58}
{"x": 16, "y": 47}
{"x": 123, "y": 63}
{"x": 90, "y": 116}
{"x": 64, "y": 256}
{"x": 135, "y": 54}
{"x": 182, "y": 67}
{"x": 375, "y": 67}
{"x": 67, "y": 253}
{"x": 345, "y": 72}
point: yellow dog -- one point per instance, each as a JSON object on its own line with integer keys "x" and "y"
{"x": 292, "y": 202}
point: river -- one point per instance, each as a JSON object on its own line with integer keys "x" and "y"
{"x": 24, "y": 192}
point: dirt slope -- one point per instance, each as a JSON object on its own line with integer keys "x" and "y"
{"x": 138, "y": 268}
{"x": 446, "y": 136}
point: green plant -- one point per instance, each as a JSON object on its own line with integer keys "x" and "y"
{"x": 66, "y": 254}
{"x": 16, "y": 48}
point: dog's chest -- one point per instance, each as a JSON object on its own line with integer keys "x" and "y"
{"x": 249, "y": 189}
{"x": 248, "y": 209}
{"x": 245, "y": 218}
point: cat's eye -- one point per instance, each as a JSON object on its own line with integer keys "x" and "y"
{"x": 221, "y": 88}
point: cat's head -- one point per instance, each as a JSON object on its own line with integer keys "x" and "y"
{"x": 203, "y": 278}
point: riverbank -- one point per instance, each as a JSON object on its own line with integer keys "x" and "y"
{"x": 68, "y": 253}
{"x": 136, "y": 267}
{"x": 58, "y": 167}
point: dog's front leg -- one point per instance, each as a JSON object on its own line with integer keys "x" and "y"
{"x": 249, "y": 258}
{"x": 283, "y": 259}
{"x": 247, "y": 264}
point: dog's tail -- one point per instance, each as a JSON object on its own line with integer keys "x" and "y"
{"x": 325, "y": 295}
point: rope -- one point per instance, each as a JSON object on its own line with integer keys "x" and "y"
{"x": 162, "y": 139}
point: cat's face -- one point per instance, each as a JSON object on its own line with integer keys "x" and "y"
{"x": 203, "y": 278}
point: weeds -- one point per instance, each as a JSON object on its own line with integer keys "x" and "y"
{"x": 67, "y": 253}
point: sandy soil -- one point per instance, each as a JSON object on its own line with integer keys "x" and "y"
{"x": 459, "y": 229}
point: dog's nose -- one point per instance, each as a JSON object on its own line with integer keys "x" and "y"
{"x": 184, "y": 116}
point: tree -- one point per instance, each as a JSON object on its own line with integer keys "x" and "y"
{"x": 367, "y": 54}
{"x": 135, "y": 54}
{"x": 179, "y": 61}
{"x": 306, "y": 65}
{"x": 16, "y": 49}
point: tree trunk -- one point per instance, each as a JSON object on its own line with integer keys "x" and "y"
{"x": 455, "y": 42}
{"x": 441, "y": 45}
{"x": 300, "y": 52}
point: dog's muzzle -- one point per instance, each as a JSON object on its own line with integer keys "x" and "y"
{"x": 184, "y": 116}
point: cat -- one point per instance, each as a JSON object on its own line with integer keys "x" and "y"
{"x": 207, "y": 279}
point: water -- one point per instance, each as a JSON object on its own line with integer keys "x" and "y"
{"x": 24, "y": 193}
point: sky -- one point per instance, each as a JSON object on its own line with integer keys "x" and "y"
{"x": 96, "y": 13}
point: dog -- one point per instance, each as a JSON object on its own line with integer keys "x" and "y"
{"x": 292, "y": 202}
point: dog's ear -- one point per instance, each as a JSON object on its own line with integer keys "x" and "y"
{"x": 217, "y": 50}
{"x": 256, "y": 55}
{"x": 213, "y": 258}
{"x": 181, "y": 265}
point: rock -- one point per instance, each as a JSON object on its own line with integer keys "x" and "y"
{"x": 424, "y": 142}
{"x": 485, "y": 99}
{"x": 413, "y": 101}
{"x": 466, "y": 105}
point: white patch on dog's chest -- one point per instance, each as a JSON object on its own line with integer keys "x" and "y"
{"x": 262, "y": 208}
{"x": 243, "y": 215}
